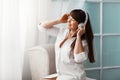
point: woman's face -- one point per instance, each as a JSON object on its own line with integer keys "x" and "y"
{"x": 72, "y": 24}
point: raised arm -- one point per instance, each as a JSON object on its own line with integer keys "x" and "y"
{"x": 80, "y": 53}
{"x": 49, "y": 28}
{"x": 78, "y": 45}
{"x": 49, "y": 24}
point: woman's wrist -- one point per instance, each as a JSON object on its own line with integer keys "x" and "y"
{"x": 58, "y": 21}
{"x": 78, "y": 37}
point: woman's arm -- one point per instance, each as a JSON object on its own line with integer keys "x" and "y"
{"x": 78, "y": 46}
{"x": 80, "y": 54}
{"x": 49, "y": 24}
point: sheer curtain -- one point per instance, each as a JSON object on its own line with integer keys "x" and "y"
{"x": 18, "y": 32}
{"x": 18, "y": 20}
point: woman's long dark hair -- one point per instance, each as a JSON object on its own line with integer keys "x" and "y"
{"x": 89, "y": 37}
{"x": 79, "y": 16}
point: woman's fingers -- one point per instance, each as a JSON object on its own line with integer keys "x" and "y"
{"x": 80, "y": 31}
{"x": 64, "y": 18}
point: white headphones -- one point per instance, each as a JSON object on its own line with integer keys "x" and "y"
{"x": 85, "y": 22}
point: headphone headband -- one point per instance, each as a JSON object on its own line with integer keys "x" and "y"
{"x": 86, "y": 19}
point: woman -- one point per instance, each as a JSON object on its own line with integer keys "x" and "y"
{"x": 73, "y": 46}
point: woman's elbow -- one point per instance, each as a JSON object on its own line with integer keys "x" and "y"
{"x": 80, "y": 57}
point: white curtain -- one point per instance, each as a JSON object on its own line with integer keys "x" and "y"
{"x": 18, "y": 32}
{"x": 18, "y": 21}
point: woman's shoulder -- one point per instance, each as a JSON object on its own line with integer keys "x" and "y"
{"x": 64, "y": 30}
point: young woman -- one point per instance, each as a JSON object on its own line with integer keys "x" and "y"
{"x": 74, "y": 44}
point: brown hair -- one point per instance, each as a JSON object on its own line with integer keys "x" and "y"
{"x": 79, "y": 16}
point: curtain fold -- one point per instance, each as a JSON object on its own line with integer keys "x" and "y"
{"x": 18, "y": 21}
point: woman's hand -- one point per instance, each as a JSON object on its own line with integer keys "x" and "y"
{"x": 64, "y": 18}
{"x": 80, "y": 31}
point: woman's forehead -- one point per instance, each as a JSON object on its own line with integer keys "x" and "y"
{"x": 70, "y": 17}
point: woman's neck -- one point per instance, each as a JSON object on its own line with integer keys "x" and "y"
{"x": 72, "y": 33}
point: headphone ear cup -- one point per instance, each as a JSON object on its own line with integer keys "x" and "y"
{"x": 80, "y": 25}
